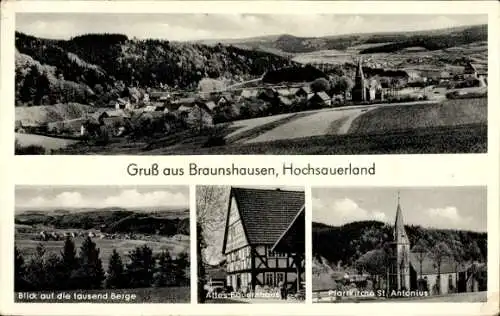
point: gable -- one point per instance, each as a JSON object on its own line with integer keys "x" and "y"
{"x": 267, "y": 214}
{"x": 235, "y": 232}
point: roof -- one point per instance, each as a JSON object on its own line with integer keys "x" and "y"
{"x": 186, "y": 100}
{"x": 249, "y": 93}
{"x": 292, "y": 239}
{"x": 210, "y": 105}
{"x": 399, "y": 224}
{"x": 285, "y": 100}
{"x": 267, "y": 214}
{"x": 323, "y": 95}
{"x": 305, "y": 89}
{"x": 470, "y": 69}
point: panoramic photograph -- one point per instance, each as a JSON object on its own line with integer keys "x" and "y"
{"x": 423, "y": 244}
{"x": 224, "y": 84}
{"x": 250, "y": 244}
{"x": 102, "y": 244}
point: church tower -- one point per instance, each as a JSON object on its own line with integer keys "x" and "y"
{"x": 402, "y": 244}
{"x": 359, "y": 89}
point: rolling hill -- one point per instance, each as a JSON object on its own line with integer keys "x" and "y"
{"x": 97, "y": 68}
{"x": 374, "y": 42}
{"x": 111, "y": 220}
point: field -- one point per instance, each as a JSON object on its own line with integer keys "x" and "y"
{"x": 49, "y": 143}
{"x": 106, "y": 246}
{"x": 451, "y": 126}
{"x": 144, "y": 295}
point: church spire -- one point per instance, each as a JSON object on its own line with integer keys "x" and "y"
{"x": 399, "y": 226}
{"x": 359, "y": 71}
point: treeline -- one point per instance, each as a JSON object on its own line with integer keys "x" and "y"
{"x": 84, "y": 271}
{"x": 434, "y": 42}
{"x": 108, "y": 63}
{"x": 349, "y": 242}
{"x": 119, "y": 221}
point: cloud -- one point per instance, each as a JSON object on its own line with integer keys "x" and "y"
{"x": 126, "y": 198}
{"x": 446, "y": 217}
{"x": 342, "y": 211}
{"x": 217, "y": 26}
{"x": 133, "y": 198}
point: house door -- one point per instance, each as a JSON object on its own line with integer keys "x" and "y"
{"x": 238, "y": 282}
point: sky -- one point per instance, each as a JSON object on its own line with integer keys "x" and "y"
{"x": 448, "y": 208}
{"x": 41, "y": 197}
{"x": 188, "y": 27}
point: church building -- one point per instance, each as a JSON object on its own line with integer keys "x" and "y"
{"x": 407, "y": 267}
{"x": 264, "y": 239}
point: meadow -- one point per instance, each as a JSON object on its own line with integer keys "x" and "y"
{"x": 106, "y": 246}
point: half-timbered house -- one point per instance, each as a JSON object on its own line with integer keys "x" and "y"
{"x": 264, "y": 239}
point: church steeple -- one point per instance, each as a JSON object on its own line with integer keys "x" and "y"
{"x": 360, "y": 76}
{"x": 399, "y": 226}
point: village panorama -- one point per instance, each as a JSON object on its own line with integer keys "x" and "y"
{"x": 94, "y": 244}
{"x": 351, "y": 92}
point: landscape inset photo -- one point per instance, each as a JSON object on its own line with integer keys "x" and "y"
{"x": 244, "y": 84}
{"x": 409, "y": 245}
{"x": 251, "y": 244}
{"x": 102, "y": 244}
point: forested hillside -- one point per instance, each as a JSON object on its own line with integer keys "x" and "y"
{"x": 101, "y": 67}
{"x": 349, "y": 242}
{"x": 109, "y": 220}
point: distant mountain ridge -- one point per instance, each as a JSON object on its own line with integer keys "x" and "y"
{"x": 436, "y": 39}
{"x": 113, "y": 220}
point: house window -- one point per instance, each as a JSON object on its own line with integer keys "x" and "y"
{"x": 269, "y": 278}
{"x": 280, "y": 277}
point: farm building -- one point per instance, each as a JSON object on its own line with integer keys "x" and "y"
{"x": 470, "y": 71}
{"x": 196, "y": 115}
{"x": 264, "y": 239}
{"x": 319, "y": 99}
{"x": 406, "y": 268}
{"x": 303, "y": 92}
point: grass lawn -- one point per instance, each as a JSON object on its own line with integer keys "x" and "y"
{"x": 177, "y": 294}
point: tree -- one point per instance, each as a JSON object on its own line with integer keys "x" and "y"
{"x": 54, "y": 275}
{"x": 374, "y": 262}
{"x": 440, "y": 252}
{"x": 320, "y": 84}
{"x": 90, "y": 273}
{"x": 140, "y": 270}
{"x": 343, "y": 85}
{"x": 116, "y": 278}
{"x": 181, "y": 264}
{"x": 420, "y": 250}
{"x": 69, "y": 262}
{"x": 165, "y": 271}
{"x": 19, "y": 271}
{"x": 473, "y": 252}
{"x": 35, "y": 270}
{"x": 201, "y": 265}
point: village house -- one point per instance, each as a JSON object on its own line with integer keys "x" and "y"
{"x": 303, "y": 92}
{"x": 406, "y": 269}
{"x": 197, "y": 114}
{"x": 319, "y": 99}
{"x": 264, "y": 239}
{"x": 249, "y": 93}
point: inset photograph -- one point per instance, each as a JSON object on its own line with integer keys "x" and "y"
{"x": 102, "y": 244}
{"x": 250, "y": 84}
{"x": 399, "y": 245}
{"x": 251, "y": 244}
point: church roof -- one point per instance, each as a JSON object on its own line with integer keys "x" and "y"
{"x": 469, "y": 69}
{"x": 399, "y": 224}
{"x": 359, "y": 71}
{"x": 267, "y": 214}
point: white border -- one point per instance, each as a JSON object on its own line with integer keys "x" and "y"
{"x": 409, "y": 170}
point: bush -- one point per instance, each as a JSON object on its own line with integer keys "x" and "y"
{"x": 29, "y": 150}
